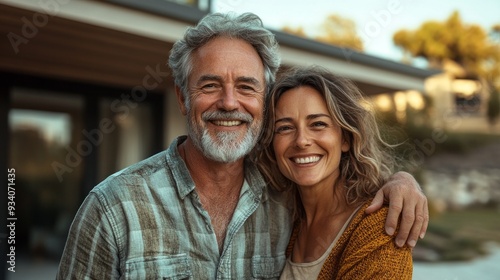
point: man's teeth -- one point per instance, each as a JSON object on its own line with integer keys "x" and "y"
{"x": 306, "y": 159}
{"x": 227, "y": 123}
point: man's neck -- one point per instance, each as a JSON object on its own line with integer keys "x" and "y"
{"x": 217, "y": 184}
{"x": 207, "y": 173}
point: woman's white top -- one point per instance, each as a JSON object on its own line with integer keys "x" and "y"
{"x": 311, "y": 270}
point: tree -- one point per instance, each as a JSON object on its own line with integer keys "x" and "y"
{"x": 299, "y": 31}
{"x": 469, "y": 45}
{"x": 334, "y": 30}
{"x": 340, "y": 31}
{"x": 466, "y": 44}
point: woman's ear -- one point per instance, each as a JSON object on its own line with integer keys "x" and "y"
{"x": 181, "y": 100}
{"x": 346, "y": 144}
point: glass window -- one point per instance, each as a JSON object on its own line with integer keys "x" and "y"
{"x": 53, "y": 154}
{"x": 48, "y": 181}
{"x": 128, "y": 138}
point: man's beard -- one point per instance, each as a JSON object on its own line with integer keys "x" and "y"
{"x": 225, "y": 146}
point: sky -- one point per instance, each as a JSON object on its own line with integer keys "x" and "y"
{"x": 376, "y": 20}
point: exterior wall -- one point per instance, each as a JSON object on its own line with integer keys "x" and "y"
{"x": 175, "y": 122}
{"x": 438, "y": 88}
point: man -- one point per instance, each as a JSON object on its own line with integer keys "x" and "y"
{"x": 200, "y": 209}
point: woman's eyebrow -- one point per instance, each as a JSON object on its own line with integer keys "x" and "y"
{"x": 283, "y": 120}
{"x": 315, "y": 116}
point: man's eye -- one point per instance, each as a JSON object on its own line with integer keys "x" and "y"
{"x": 246, "y": 89}
{"x": 210, "y": 87}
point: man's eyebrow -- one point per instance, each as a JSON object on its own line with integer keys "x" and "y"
{"x": 250, "y": 80}
{"x": 208, "y": 77}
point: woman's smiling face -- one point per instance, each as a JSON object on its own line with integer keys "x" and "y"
{"x": 307, "y": 141}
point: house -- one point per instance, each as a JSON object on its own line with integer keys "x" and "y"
{"x": 460, "y": 100}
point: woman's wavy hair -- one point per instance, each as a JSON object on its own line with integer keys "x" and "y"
{"x": 247, "y": 27}
{"x": 367, "y": 164}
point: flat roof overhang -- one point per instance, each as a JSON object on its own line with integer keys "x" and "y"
{"x": 70, "y": 48}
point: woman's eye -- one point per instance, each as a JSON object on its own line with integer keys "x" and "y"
{"x": 319, "y": 124}
{"x": 283, "y": 129}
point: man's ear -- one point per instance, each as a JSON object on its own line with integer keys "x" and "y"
{"x": 181, "y": 101}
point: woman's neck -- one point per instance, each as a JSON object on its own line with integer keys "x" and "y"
{"x": 323, "y": 201}
{"x": 326, "y": 213}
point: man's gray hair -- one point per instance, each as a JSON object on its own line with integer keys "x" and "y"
{"x": 247, "y": 27}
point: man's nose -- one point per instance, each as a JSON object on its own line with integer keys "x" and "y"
{"x": 228, "y": 99}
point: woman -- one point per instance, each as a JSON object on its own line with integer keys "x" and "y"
{"x": 323, "y": 149}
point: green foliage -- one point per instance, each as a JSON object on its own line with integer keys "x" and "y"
{"x": 461, "y": 235}
{"x": 493, "y": 112}
{"x": 464, "y": 142}
{"x": 404, "y": 135}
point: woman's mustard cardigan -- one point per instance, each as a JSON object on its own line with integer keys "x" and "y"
{"x": 365, "y": 251}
